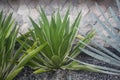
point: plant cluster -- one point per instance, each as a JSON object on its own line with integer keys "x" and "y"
{"x": 50, "y": 45}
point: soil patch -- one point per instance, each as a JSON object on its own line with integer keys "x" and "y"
{"x": 27, "y": 74}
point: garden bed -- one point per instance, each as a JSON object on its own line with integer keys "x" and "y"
{"x": 27, "y": 74}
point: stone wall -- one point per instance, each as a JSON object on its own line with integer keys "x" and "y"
{"x": 23, "y": 8}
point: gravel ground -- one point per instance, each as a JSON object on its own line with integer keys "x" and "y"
{"x": 27, "y": 74}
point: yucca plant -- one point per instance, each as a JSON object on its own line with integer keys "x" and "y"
{"x": 60, "y": 36}
{"x": 111, "y": 36}
{"x": 12, "y": 61}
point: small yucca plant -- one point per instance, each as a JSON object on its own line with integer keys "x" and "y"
{"x": 60, "y": 36}
{"x": 12, "y": 61}
{"x": 111, "y": 38}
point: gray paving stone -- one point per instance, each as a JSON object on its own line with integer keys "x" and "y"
{"x": 24, "y": 8}
{"x": 1, "y": 6}
{"x": 14, "y": 4}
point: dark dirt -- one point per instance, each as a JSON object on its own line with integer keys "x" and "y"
{"x": 27, "y": 74}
